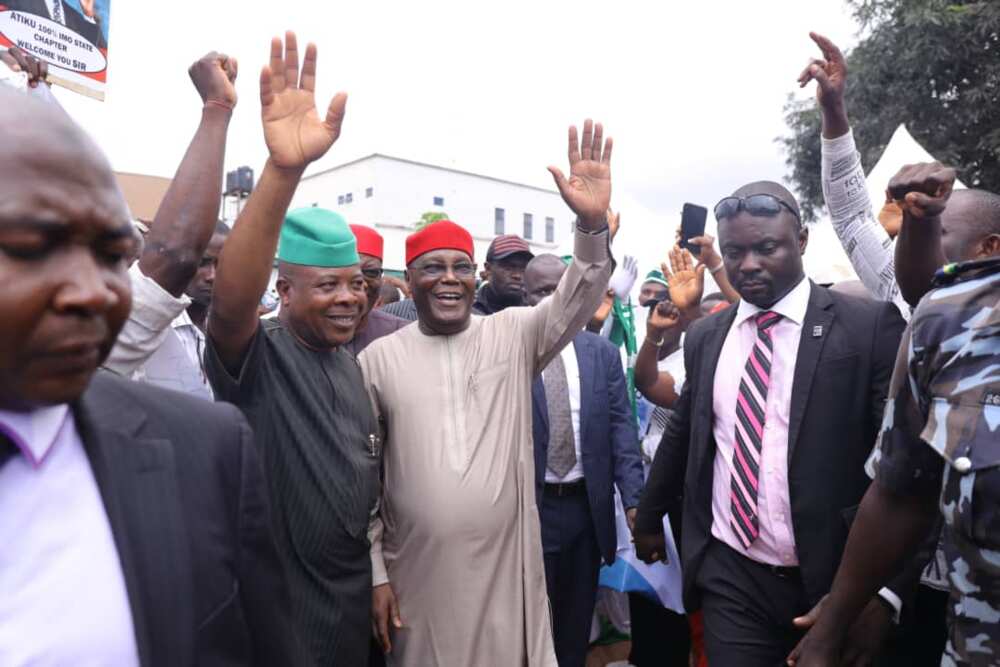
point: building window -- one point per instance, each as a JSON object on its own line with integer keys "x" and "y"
{"x": 550, "y": 230}
{"x": 369, "y": 192}
{"x": 340, "y": 200}
{"x": 527, "y": 225}
{"x": 349, "y": 197}
{"x": 439, "y": 201}
{"x": 499, "y": 222}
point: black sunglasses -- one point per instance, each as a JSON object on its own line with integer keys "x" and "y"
{"x": 763, "y": 205}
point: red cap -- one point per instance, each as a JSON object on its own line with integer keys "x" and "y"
{"x": 370, "y": 242}
{"x": 440, "y": 235}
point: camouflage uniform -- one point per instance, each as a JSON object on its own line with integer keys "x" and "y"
{"x": 941, "y": 435}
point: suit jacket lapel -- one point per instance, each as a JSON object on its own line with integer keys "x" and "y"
{"x": 139, "y": 487}
{"x": 815, "y": 331}
{"x": 586, "y": 363}
{"x": 538, "y": 398}
{"x": 702, "y": 406}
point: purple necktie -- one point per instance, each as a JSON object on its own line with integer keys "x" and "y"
{"x": 750, "y": 404}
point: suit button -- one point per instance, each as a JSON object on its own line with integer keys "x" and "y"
{"x": 963, "y": 464}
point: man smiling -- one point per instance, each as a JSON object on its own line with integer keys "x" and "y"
{"x": 456, "y": 550}
{"x": 291, "y": 376}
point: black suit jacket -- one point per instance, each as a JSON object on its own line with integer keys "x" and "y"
{"x": 609, "y": 441}
{"x": 845, "y": 359}
{"x": 186, "y": 501}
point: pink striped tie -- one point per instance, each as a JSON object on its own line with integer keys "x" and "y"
{"x": 750, "y": 404}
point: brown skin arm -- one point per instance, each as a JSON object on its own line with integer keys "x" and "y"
{"x": 713, "y": 263}
{"x": 187, "y": 216}
{"x": 665, "y": 323}
{"x": 295, "y": 137}
{"x": 830, "y": 74}
{"x": 887, "y": 529}
{"x": 922, "y": 192}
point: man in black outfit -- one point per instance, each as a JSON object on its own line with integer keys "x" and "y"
{"x": 780, "y": 409}
{"x": 178, "y": 533}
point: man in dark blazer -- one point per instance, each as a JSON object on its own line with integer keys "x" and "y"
{"x": 781, "y": 408}
{"x": 134, "y": 519}
{"x": 585, "y": 443}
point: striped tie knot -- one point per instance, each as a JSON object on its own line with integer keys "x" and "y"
{"x": 766, "y": 320}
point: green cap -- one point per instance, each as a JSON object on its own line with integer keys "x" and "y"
{"x": 656, "y": 277}
{"x": 317, "y": 237}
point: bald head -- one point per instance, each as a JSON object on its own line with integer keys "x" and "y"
{"x": 970, "y": 225}
{"x": 773, "y": 189}
{"x": 67, "y": 235}
{"x": 541, "y": 277}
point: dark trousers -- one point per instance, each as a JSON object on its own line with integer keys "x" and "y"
{"x": 660, "y": 637}
{"x": 748, "y": 609}
{"x": 572, "y": 561}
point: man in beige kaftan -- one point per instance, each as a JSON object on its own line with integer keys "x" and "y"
{"x": 456, "y": 545}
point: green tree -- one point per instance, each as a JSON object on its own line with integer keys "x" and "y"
{"x": 429, "y": 217}
{"x": 931, "y": 64}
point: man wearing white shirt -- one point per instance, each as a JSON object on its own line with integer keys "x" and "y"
{"x": 585, "y": 445}
{"x": 134, "y": 520}
{"x": 163, "y": 340}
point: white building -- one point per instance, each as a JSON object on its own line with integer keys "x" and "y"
{"x": 390, "y": 194}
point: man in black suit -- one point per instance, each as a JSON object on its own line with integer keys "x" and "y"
{"x": 86, "y": 24}
{"x": 134, "y": 519}
{"x": 781, "y": 407}
{"x": 585, "y": 443}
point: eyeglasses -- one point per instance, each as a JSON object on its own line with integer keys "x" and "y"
{"x": 372, "y": 274}
{"x": 438, "y": 269}
{"x": 763, "y": 205}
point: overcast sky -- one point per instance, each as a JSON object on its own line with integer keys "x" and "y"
{"x": 691, "y": 92}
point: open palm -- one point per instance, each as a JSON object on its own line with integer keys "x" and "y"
{"x": 686, "y": 281}
{"x": 588, "y": 190}
{"x": 294, "y": 133}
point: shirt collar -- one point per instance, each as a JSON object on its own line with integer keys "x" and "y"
{"x": 792, "y": 306}
{"x": 35, "y": 431}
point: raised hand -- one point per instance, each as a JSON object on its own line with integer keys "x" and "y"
{"x": 214, "y": 77}
{"x": 686, "y": 281}
{"x": 588, "y": 190}
{"x": 623, "y": 279}
{"x": 662, "y": 318}
{"x": 829, "y": 72}
{"x": 922, "y": 190}
{"x": 20, "y": 60}
{"x": 293, "y": 131}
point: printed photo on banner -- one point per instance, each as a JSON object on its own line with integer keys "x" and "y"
{"x": 70, "y": 35}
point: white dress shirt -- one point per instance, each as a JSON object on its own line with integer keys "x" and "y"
{"x": 573, "y": 385}
{"x": 159, "y": 343}
{"x": 63, "y": 599}
{"x": 776, "y": 543}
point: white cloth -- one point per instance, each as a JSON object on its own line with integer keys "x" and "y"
{"x": 867, "y": 244}
{"x": 178, "y": 363}
{"x": 64, "y": 600}
{"x": 575, "y": 473}
{"x": 776, "y": 543}
{"x": 159, "y": 344}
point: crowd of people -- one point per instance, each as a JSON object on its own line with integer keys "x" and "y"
{"x": 431, "y": 471}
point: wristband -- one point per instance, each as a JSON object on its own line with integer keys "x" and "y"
{"x": 221, "y": 105}
{"x": 717, "y": 269}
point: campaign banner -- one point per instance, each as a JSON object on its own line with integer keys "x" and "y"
{"x": 70, "y": 35}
